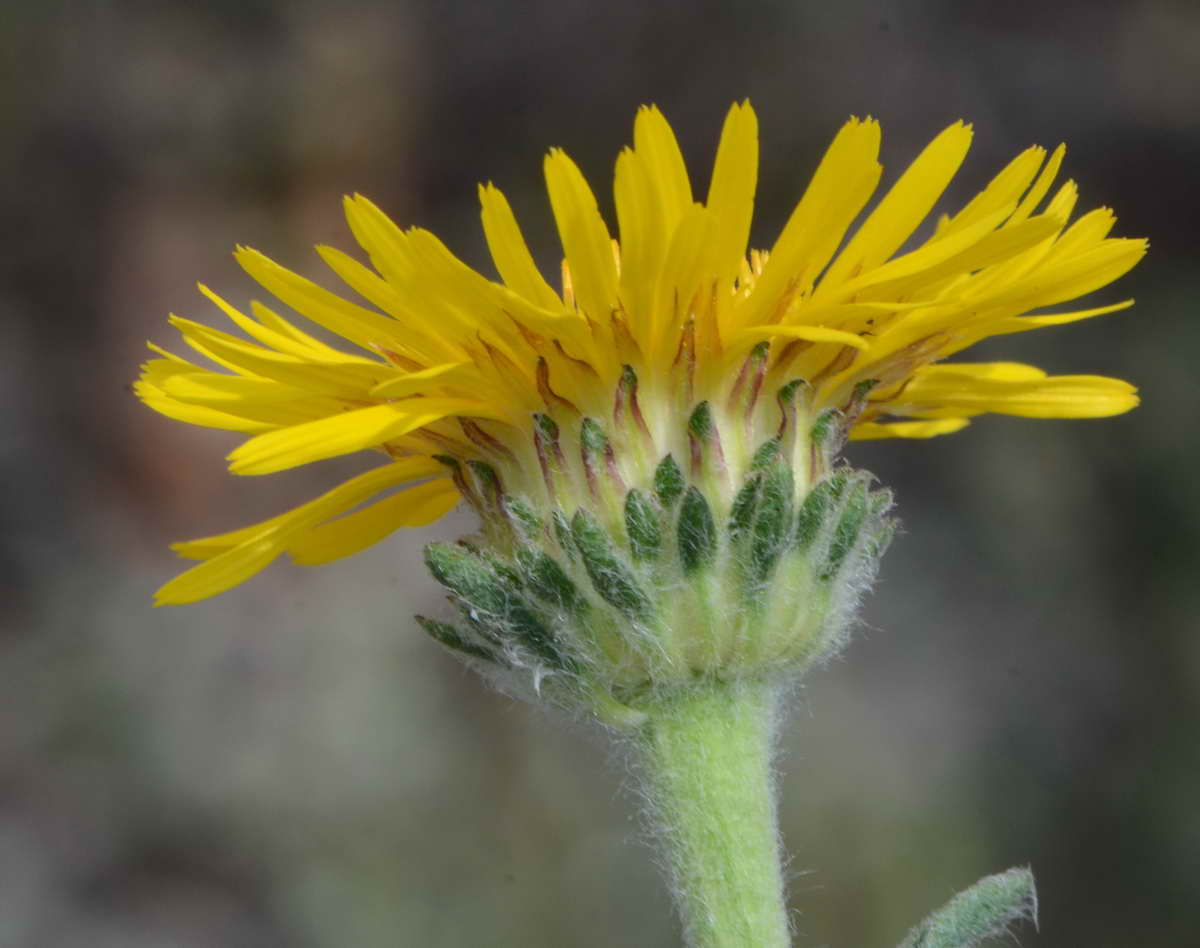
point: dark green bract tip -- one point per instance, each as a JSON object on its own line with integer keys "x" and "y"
{"x": 550, "y": 583}
{"x": 450, "y": 637}
{"x": 767, "y": 452}
{"x": 490, "y": 599}
{"x": 642, "y": 527}
{"x": 697, "y": 532}
{"x": 823, "y": 426}
{"x": 813, "y": 511}
{"x": 848, "y": 528}
{"x": 486, "y": 476}
{"x": 466, "y": 575}
{"x": 773, "y": 522}
{"x": 592, "y": 437}
{"x": 700, "y": 424}
{"x": 669, "y": 481}
{"x": 522, "y": 516}
{"x": 546, "y": 426}
{"x": 787, "y": 394}
{"x": 610, "y": 577}
{"x": 741, "y": 513}
{"x": 562, "y": 533}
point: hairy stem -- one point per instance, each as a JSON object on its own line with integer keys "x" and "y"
{"x": 706, "y": 753}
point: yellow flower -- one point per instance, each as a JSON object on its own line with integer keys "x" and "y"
{"x": 447, "y": 367}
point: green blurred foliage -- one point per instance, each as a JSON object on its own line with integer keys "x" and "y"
{"x": 293, "y": 763}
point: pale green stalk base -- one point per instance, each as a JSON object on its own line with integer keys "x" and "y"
{"x": 707, "y": 753}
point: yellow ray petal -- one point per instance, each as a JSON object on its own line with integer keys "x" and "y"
{"x": 584, "y": 236}
{"x": 1004, "y": 190}
{"x": 413, "y": 383}
{"x": 273, "y": 337}
{"x": 1011, "y": 389}
{"x": 1011, "y": 324}
{"x": 905, "y": 206}
{"x": 167, "y": 356}
{"x": 257, "y": 400}
{"x": 1085, "y": 234}
{"x": 385, "y": 243}
{"x": 218, "y": 574}
{"x": 872, "y": 431}
{"x": 993, "y": 248}
{"x": 422, "y": 341}
{"x": 348, "y": 432}
{"x": 840, "y": 187}
{"x": 445, "y": 286}
{"x": 731, "y": 193}
{"x": 1065, "y": 280}
{"x": 232, "y": 558}
{"x": 272, "y": 320}
{"x": 1040, "y": 187}
{"x": 199, "y": 415}
{"x": 509, "y": 252}
{"x": 157, "y": 371}
{"x": 644, "y": 235}
{"x": 346, "y": 319}
{"x": 929, "y": 254}
{"x": 954, "y": 373}
{"x": 349, "y": 379}
{"x": 1012, "y": 271}
{"x": 413, "y": 507}
{"x": 652, "y": 194}
{"x": 809, "y": 333}
{"x": 688, "y": 264}
{"x": 219, "y": 390}
{"x": 811, "y": 313}
{"x": 343, "y": 497}
{"x": 656, "y": 147}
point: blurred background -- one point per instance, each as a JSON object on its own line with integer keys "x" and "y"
{"x": 293, "y": 764}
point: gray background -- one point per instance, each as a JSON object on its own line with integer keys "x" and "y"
{"x": 293, "y": 764}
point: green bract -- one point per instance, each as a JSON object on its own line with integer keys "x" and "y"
{"x": 628, "y": 569}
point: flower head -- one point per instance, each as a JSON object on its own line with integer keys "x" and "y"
{"x": 678, "y": 398}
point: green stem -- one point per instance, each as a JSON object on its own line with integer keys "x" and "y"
{"x": 706, "y": 752}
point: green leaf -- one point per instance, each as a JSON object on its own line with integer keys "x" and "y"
{"x": 697, "y": 532}
{"x": 986, "y": 910}
{"x": 610, "y": 577}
